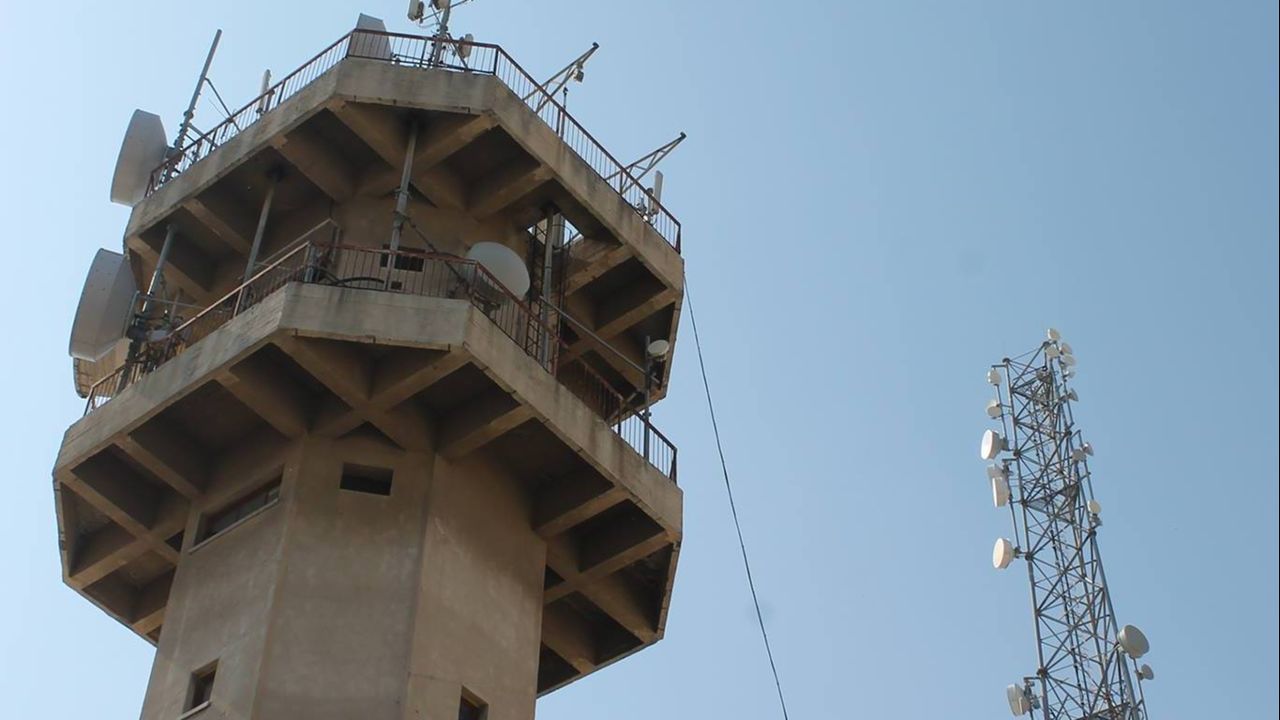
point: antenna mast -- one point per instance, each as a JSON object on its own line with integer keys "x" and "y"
{"x": 190, "y": 114}
{"x": 1087, "y": 663}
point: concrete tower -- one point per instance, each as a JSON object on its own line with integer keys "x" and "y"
{"x": 337, "y": 469}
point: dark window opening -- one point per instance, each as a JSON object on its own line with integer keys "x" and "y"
{"x": 202, "y": 686}
{"x": 240, "y": 509}
{"x": 469, "y": 709}
{"x": 404, "y": 261}
{"x": 371, "y": 480}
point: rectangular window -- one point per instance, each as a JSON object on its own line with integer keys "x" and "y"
{"x": 363, "y": 479}
{"x": 404, "y": 261}
{"x": 470, "y": 708}
{"x": 201, "y": 691}
{"x": 223, "y": 519}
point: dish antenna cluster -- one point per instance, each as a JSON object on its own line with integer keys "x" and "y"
{"x": 1039, "y": 470}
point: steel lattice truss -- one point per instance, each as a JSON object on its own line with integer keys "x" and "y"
{"x": 1083, "y": 673}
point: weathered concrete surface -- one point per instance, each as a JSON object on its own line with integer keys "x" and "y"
{"x": 523, "y": 544}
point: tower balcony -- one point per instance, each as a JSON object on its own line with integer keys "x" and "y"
{"x": 318, "y": 348}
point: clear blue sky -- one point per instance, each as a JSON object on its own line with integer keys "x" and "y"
{"x": 879, "y": 198}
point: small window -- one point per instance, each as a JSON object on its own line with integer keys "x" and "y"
{"x": 362, "y": 479}
{"x": 223, "y": 519}
{"x": 201, "y": 686}
{"x": 469, "y": 708}
{"x": 404, "y": 261}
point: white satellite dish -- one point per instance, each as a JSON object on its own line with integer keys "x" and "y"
{"x": 1072, "y": 395}
{"x": 417, "y": 10}
{"x": 991, "y": 446}
{"x": 464, "y": 48}
{"x": 993, "y": 376}
{"x": 143, "y": 149}
{"x": 370, "y": 44}
{"x": 1068, "y": 360}
{"x": 1133, "y": 642}
{"x": 997, "y": 471}
{"x": 1051, "y": 351}
{"x": 1053, "y": 335}
{"x": 1146, "y": 673}
{"x": 1002, "y": 554}
{"x": 1065, "y": 348}
{"x": 1019, "y": 703}
{"x": 658, "y": 348}
{"x": 1088, "y": 449}
{"x": 105, "y": 302}
{"x": 1000, "y": 491}
{"x": 993, "y": 409}
{"x": 503, "y": 264}
{"x": 1077, "y": 454}
{"x": 1095, "y": 507}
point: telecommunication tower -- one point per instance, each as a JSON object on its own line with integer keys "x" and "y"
{"x": 1087, "y": 663}
{"x": 374, "y": 438}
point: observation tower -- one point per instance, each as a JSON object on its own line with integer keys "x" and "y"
{"x": 367, "y": 429}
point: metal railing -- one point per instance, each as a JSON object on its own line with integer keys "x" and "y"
{"x": 415, "y": 273}
{"x": 456, "y": 56}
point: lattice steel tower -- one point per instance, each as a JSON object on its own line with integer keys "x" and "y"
{"x": 1087, "y": 663}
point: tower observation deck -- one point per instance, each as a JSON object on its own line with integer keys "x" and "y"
{"x": 345, "y": 463}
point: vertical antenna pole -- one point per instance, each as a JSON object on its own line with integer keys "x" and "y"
{"x": 157, "y": 276}
{"x": 402, "y": 198}
{"x": 195, "y": 95}
{"x": 272, "y": 178}
{"x": 553, "y": 239}
{"x": 437, "y": 47}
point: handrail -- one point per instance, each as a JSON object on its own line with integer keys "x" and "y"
{"x": 414, "y": 272}
{"x": 412, "y": 50}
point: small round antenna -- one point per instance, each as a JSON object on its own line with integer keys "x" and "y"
{"x": 997, "y": 471}
{"x": 1095, "y": 507}
{"x": 1053, "y": 335}
{"x": 991, "y": 445}
{"x": 993, "y": 376}
{"x": 1065, "y": 348}
{"x": 658, "y": 348}
{"x": 1050, "y": 351}
{"x": 993, "y": 409}
{"x": 1146, "y": 673}
{"x": 1133, "y": 642}
{"x": 1003, "y": 553}
{"x": 1019, "y": 701}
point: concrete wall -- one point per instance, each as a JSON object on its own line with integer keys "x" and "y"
{"x": 335, "y": 604}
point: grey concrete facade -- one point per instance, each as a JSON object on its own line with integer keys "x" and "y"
{"x": 356, "y": 503}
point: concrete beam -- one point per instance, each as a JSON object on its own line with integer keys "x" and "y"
{"x": 149, "y": 604}
{"x": 506, "y": 186}
{"x": 323, "y": 166}
{"x": 112, "y": 487}
{"x": 570, "y": 500}
{"x": 405, "y": 373}
{"x": 188, "y": 269}
{"x": 224, "y": 219}
{"x": 438, "y": 141}
{"x": 592, "y": 258}
{"x": 620, "y": 543}
{"x": 102, "y": 553}
{"x": 481, "y": 421}
{"x": 382, "y": 131}
{"x": 169, "y": 455}
{"x": 633, "y": 304}
{"x": 567, "y": 634}
{"x": 615, "y": 595}
{"x": 275, "y": 397}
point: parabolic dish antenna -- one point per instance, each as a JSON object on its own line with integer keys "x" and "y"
{"x": 1019, "y": 703}
{"x": 1065, "y": 348}
{"x": 1133, "y": 642}
{"x": 997, "y": 471}
{"x": 1051, "y": 351}
{"x": 991, "y": 446}
{"x": 999, "y": 491}
{"x": 993, "y": 376}
{"x": 993, "y": 409}
{"x": 103, "y": 312}
{"x": 1002, "y": 554}
{"x": 1146, "y": 673}
{"x": 503, "y": 264}
{"x": 1095, "y": 507}
{"x": 658, "y": 348}
{"x": 1053, "y": 334}
{"x": 141, "y": 152}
